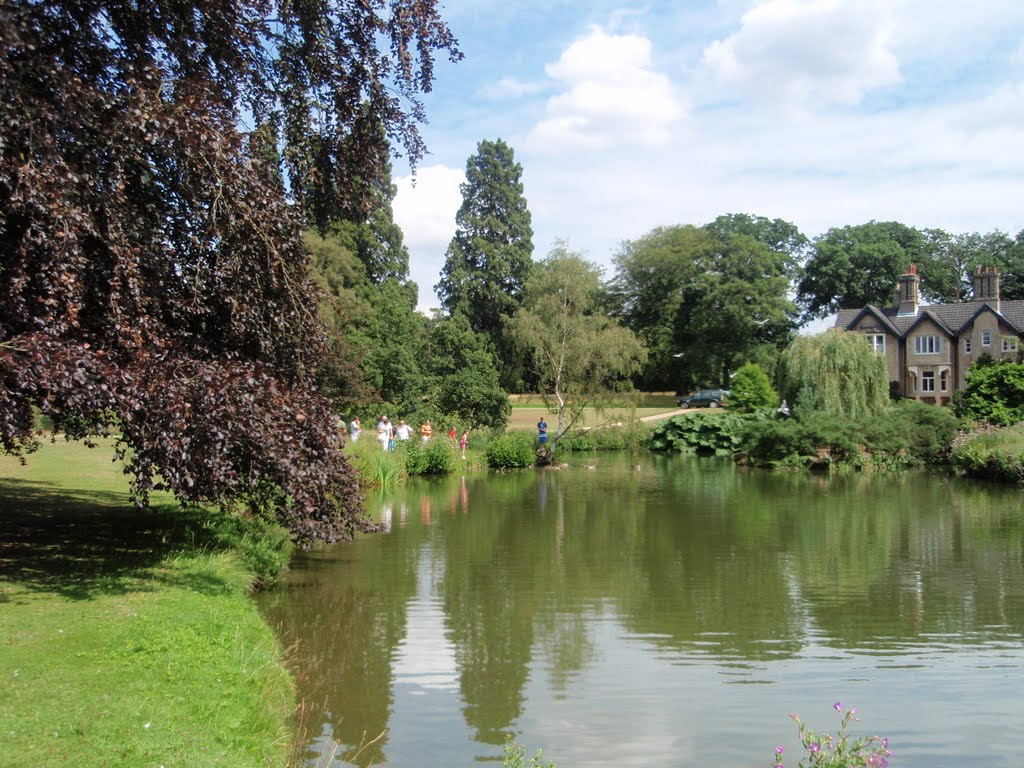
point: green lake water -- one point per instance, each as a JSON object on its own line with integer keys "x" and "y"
{"x": 664, "y": 611}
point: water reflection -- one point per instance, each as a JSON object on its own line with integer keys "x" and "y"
{"x": 575, "y": 606}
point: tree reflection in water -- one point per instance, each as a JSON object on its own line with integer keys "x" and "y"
{"x": 709, "y": 573}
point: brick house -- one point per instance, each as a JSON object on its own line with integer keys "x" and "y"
{"x": 929, "y": 349}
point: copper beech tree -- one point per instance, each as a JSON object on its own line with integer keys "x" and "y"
{"x": 156, "y": 163}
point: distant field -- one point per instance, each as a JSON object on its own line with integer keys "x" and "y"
{"x": 524, "y": 417}
{"x": 656, "y": 400}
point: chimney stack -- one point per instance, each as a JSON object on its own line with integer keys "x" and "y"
{"x": 907, "y": 293}
{"x": 986, "y": 286}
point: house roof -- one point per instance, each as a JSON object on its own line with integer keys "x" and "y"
{"x": 950, "y": 317}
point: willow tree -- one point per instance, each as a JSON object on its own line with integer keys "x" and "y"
{"x": 833, "y": 372}
{"x": 151, "y": 266}
{"x": 581, "y": 354}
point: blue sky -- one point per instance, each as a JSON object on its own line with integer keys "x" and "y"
{"x": 824, "y": 113}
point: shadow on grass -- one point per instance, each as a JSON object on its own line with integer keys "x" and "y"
{"x": 84, "y": 543}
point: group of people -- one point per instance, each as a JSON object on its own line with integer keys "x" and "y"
{"x": 388, "y": 433}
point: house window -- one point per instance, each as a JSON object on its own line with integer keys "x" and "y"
{"x": 944, "y": 381}
{"x": 1009, "y": 345}
{"x": 927, "y": 345}
{"x": 986, "y": 338}
{"x": 928, "y": 381}
{"x": 967, "y": 346}
{"x": 877, "y": 342}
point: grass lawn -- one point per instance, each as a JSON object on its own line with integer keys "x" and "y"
{"x": 527, "y": 410}
{"x": 527, "y": 417}
{"x": 128, "y": 636}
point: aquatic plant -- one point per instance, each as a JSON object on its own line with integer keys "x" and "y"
{"x": 514, "y": 756}
{"x": 827, "y": 751}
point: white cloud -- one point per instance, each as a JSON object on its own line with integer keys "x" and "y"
{"x": 940, "y": 148}
{"x": 510, "y": 88}
{"x": 799, "y": 51}
{"x": 426, "y": 214}
{"x": 609, "y": 95}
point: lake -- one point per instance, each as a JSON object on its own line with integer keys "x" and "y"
{"x": 663, "y": 611}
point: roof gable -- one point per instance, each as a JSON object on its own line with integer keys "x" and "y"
{"x": 876, "y": 313}
{"x": 988, "y": 309}
{"x": 927, "y": 314}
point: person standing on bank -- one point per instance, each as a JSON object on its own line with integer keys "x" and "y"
{"x": 426, "y": 431}
{"x": 385, "y": 432}
{"x": 354, "y": 429}
{"x": 462, "y": 442}
{"x": 542, "y": 431}
{"x": 403, "y": 431}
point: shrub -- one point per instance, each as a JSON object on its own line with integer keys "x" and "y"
{"x": 437, "y": 457}
{"x": 907, "y": 433}
{"x": 815, "y": 439}
{"x": 577, "y": 441}
{"x": 994, "y": 392}
{"x": 927, "y": 430}
{"x": 720, "y": 434}
{"x": 512, "y": 449}
{"x": 751, "y": 390}
{"x": 994, "y": 453}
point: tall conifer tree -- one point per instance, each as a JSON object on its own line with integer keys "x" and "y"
{"x": 490, "y": 256}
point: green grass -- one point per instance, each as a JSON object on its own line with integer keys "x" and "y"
{"x": 992, "y": 452}
{"x": 128, "y": 636}
{"x": 526, "y": 417}
{"x": 657, "y": 400}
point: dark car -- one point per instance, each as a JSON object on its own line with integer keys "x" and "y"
{"x": 704, "y": 398}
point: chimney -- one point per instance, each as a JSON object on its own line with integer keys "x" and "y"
{"x": 986, "y": 286}
{"x": 907, "y": 293}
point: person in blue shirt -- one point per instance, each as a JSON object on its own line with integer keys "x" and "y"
{"x": 542, "y": 431}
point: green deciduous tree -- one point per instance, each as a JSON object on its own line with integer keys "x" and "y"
{"x": 705, "y": 299}
{"x": 340, "y": 275}
{"x": 950, "y": 260}
{"x": 994, "y": 392}
{"x": 834, "y": 373}
{"x": 654, "y": 289}
{"x": 464, "y": 377}
{"x": 581, "y": 354}
{"x": 490, "y": 255}
{"x": 394, "y": 335}
{"x": 153, "y": 275}
{"x": 742, "y": 306}
{"x": 777, "y": 235}
{"x": 857, "y": 265}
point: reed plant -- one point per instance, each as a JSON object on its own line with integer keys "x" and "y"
{"x": 376, "y": 466}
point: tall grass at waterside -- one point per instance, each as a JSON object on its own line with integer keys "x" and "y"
{"x": 995, "y": 453}
{"x": 376, "y": 466}
{"x": 632, "y": 436}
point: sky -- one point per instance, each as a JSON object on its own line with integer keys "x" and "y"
{"x": 630, "y": 116}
